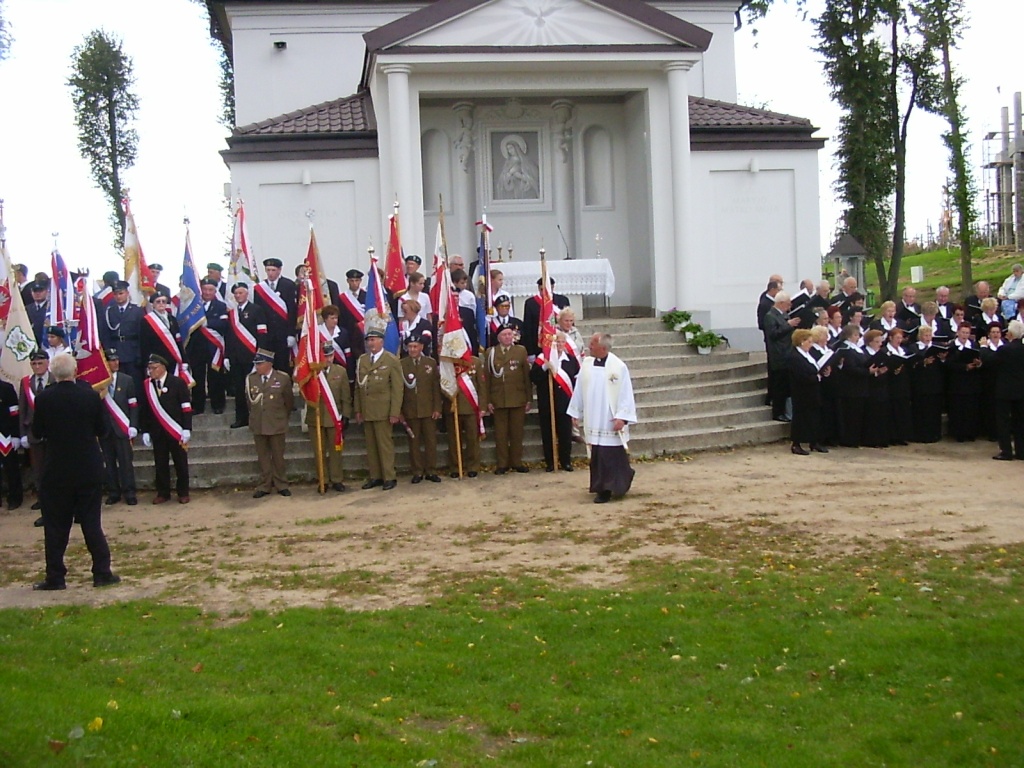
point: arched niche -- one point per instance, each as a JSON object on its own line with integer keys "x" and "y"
{"x": 598, "y": 177}
{"x": 437, "y": 169}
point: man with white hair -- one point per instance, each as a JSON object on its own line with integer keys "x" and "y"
{"x": 603, "y": 401}
{"x": 778, "y": 332}
{"x": 1009, "y": 393}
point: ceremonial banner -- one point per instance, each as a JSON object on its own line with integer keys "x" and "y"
{"x": 482, "y": 282}
{"x": 62, "y": 295}
{"x": 310, "y": 359}
{"x": 316, "y": 284}
{"x": 395, "y": 279}
{"x": 440, "y": 265}
{"x": 191, "y": 313}
{"x": 20, "y": 340}
{"x": 242, "y": 267}
{"x": 141, "y": 282}
{"x": 376, "y": 304}
{"x": 92, "y": 363}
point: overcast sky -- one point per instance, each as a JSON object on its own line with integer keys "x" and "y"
{"x": 47, "y": 188}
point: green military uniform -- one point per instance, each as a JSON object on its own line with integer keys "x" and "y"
{"x": 420, "y": 406}
{"x": 508, "y": 386}
{"x": 469, "y": 425}
{"x": 379, "y": 393}
{"x": 270, "y": 407}
{"x": 337, "y": 380}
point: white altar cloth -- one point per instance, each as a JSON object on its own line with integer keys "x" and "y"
{"x": 582, "y": 277}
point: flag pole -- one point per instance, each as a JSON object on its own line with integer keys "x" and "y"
{"x": 551, "y": 410}
{"x": 320, "y": 451}
{"x": 457, "y": 430}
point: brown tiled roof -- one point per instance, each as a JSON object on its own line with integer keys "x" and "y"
{"x": 352, "y": 114}
{"x": 708, "y": 113}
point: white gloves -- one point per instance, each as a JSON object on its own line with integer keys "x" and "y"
{"x": 147, "y": 440}
{"x": 186, "y": 435}
{"x": 291, "y": 341}
{"x": 24, "y": 442}
{"x": 132, "y": 432}
{"x": 227, "y": 364}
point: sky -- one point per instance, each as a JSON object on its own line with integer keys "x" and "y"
{"x": 47, "y": 188}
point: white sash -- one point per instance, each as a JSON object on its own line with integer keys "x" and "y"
{"x": 273, "y": 299}
{"x": 332, "y": 408}
{"x": 171, "y": 427}
{"x": 241, "y": 332}
{"x": 171, "y": 345}
{"x": 352, "y": 305}
{"x": 339, "y": 353}
{"x": 217, "y": 341}
{"x": 119, "y": 417}
{"x": 562, "y": 377}
{"x": 465, "y": 383}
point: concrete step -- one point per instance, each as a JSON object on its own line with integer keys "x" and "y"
{"x": 705, "y": 421}
{"x": 687, "y": 391}
{"x": 694, "y": 441}
{"x": 649, "y": 412}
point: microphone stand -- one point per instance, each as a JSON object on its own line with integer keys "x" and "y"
{"x": 568, "y": 256}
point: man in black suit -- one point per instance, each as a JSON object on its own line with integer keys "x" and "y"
{"x": 161, "y": 290}
{"x": 277, "y": 296}
{"x": 166, "y": 423}
{"x": 778, "y": 333}
{"x": 532, "y": 318}
{"x": 1009, "y": 392}
{"x": 69, "y": 418}
{"x": 119, "y": 327}
{"x": 908, "y": 311}
{"x": 503, "y": 318}
{"x": 205, "y": 352}
{"x": 215, "y": 272}
{"x": 121, "y": 415}
{"x": 352, "y": 303}
{"x": 972, "y": 303}
{"x": 38, "y": 307}
{"x": 247, "y": 332}
{"x": 10, "y": 431}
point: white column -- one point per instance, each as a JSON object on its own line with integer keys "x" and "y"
{"x": 400, "y": 140}
{"x": 679, "y": 138}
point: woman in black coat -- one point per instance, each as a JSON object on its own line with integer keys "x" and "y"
{"x": 876, "y": 414}
{"x": 901, "y": 424}
{"x": 805, "y": 391}
{"x": 852, "y": 387}
{"x": 963, "y": 368}
{"x": 927, "y": 387}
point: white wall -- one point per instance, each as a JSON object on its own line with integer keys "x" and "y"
{"x": 714, "y": 77}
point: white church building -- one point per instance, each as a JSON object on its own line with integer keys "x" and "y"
{"x": 594, "y": 128}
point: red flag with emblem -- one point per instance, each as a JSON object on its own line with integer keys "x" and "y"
{"x": 395, "y": 279}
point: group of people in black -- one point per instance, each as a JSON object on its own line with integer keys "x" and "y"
{"x": 844, "y": 378}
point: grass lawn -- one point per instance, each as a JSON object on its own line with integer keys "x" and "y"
{"x": 943, "y": 268}
{"x": 895, "y": 657}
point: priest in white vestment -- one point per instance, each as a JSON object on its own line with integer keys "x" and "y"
{"x": 603, "y": 402}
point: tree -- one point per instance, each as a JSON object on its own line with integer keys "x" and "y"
{"x": 941, "y": 23}
{"x": 105, "y": 108}
{"x": 5, "y": 34}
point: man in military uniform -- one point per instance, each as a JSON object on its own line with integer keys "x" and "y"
{"x": 119, "y": 330}
{"x": 30, "y": 387}
{"x": 271, "y": 400}
{"x": 470, "y": 419}
{"x": 247, "y": 331}
{"x": 166, "y": 423}
{"x": 121, "y": 413}
{"x": 161, "y": 289}
{"x": 205, "y": 352}
{"x": 352, "y": 303}
{"x": 509, "y": 391}
{"x": 38, "y": 308}
{"x": 378, "y": 406}
{"x": 421, "y": 408}
{"x": 532, "y": 318}
{"x": 215, "y": 273}
{"x": 278, "y": 297}
{"x": 337, "y": 381}
{"x": 503, "y": 318}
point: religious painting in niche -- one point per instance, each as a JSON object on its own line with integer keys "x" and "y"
{"x": 515, "y": 166}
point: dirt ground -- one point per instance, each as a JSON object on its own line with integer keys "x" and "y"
{"x": 229, "y": 553}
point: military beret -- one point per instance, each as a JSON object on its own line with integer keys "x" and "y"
{"x": 156, "y": 267}
{"x": 38, "y": 354}
{"x": 414, "y": 258}
{"x": 352, "y": 274}
{"x": 55, "y": 330}
{"x": 39, "y": 285}
{"x": 541, "y": 280}
{"x": 263, "y": 356}
{"x": 215, "y": 266}
{"x": 328, "y": 346}
{"x": 238, "y": 285}
{"x": 111, "y": 277}
{"x": 121, "y": 285}
{"x": 273, "y": 262}
{"x": 502, "y": 300}
{"x": 209, "y": 281}
{"x": 111, "y": 354}
{"x": 416, "y": 339}
{"x": 158, "y": 360}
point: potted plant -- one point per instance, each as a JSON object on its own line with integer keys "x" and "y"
{"x": 676, "y": 318}
{"x": 690, "y": 330}
{"x": 705, "y": 341}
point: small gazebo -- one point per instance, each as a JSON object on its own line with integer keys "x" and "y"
{"x": 849, "y": 255}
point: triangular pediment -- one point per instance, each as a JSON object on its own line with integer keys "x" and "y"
{"x": 452, "y": 24}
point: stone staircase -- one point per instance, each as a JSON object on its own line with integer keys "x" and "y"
{"x": 686, "y": 402}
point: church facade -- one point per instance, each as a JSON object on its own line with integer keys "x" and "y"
{"x": 579, "y": 126}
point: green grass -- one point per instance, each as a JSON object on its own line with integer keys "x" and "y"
{"x": 943, "y": 268}
{"x": 772, "y": 649}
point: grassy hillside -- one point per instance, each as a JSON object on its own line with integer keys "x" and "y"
{"x": 943, "y": 268}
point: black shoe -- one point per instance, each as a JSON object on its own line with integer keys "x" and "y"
{"x": 112, "y": 499}
{"x": 49, "y": 586}
{"x": 284, "y": 492}
{"x": 783, "y": 419}
{"x": 567, "y": 468}
{"x": 416, "y": 479}
{"x": 799, "y": 450}
{"x": 13, "y": 505}
{"x": 521, "y": 470}
{"x": 389, "y": 485}
{"x": 819, "y": 449}
{"x": 434, "y": 478}
{"x": 453, "y": 475}
{"x": 218, "y": 411}
{"x": 39, "y": 522}
{"x": 372, "y": 484}
{"x": 131, "y": 501}
{"x": 1002, "y": 457}
{"x": 106, "y": 580}
{"x": 260, "y": 494}
{"x": 549, "y": 469}
{"x": 339, "y": 487}
{"x": 239, "y": 424}
{"x": 471, "y": 474}
{"x": 37, "y": 506}
{"x": 603, "y": 497}
{"x": 501, "y": 470}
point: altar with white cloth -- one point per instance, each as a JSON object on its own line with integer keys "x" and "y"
{"x": 574, "y": 278}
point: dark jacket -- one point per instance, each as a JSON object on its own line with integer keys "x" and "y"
{"x": 69, "y": 418}
{"x": 531, "y": 320}
{"x": 176, "y": 401}
{"x": 1009, "y": 364}
{"x": 254, "y": 320}
{"x": 120, "y": 331}
{"x": 778, "y": 335}
{"x": 124, "y": 396}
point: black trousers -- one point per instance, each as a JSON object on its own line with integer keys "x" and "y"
{"x": 62, "y": 506}
{"x": 1010, "y": 422}
{"x": 118, "y": 460}
{"x": 164, "y": 451}
{"x": 12, "y": 486}
{"x": 209, "y": 382}
{"x": 236, "y": 383}
{"x": 778, "y": 390}
{"x": 563, "y": 430}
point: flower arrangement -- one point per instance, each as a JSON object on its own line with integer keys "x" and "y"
{"x": 675, "y": 318}
{"x": 706, "y": 340}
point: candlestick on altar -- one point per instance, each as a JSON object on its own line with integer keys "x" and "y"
{"x": 597, "y": 241}
{"x": 499, "y": 250}
{"x": 510, "y": 250}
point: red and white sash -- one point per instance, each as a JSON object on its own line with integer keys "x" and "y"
{"x": 171, "y": 345}
{"x": 217, "y": 341}
{"x": 105, "y": 296}
{"x": 171, "y": 427}
{"x": 241, "y": 332}
{"x": 570, "y": 347}
{"x": 332, "y": 409}
{"x": 30, "y": 396}
{"x": 465, "y": 383}
{"x": 562, "y": 377}
{"x": 273, "y": 299}
{"x": 339, "y": 354}
{"x": 119, "y": 417}
{"x": 353, "y": 306}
